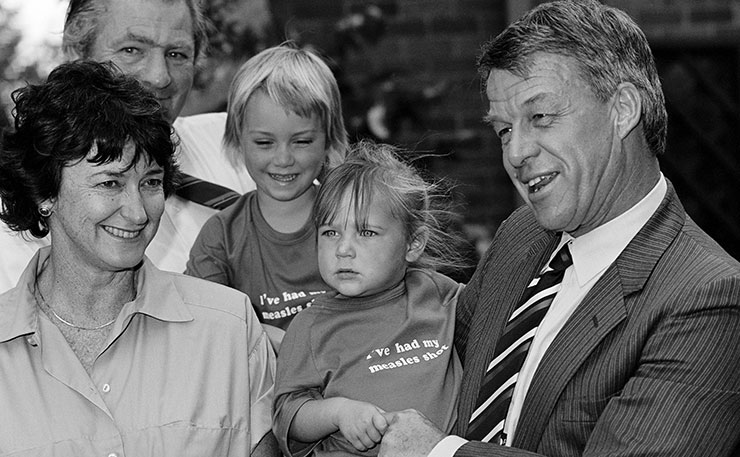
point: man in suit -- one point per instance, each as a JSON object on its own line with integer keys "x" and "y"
{"x": 637, "y": 353}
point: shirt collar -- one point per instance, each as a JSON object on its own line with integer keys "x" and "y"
{"x": 157, "y": 296}
{"x": 594, "y": 251}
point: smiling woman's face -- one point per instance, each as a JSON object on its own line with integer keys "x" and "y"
{"x": 105, "y": 215}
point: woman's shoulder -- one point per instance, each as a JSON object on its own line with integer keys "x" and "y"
{"x": 205, "y": 295}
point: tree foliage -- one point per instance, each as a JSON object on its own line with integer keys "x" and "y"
{"x": 20, "y": 62}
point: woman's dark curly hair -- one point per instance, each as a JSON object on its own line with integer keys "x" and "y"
{"x": 82, "y": 104}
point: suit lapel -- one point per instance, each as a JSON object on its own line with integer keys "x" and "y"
{"x": 603, "y": 308}
{"x": 501, "y": 292}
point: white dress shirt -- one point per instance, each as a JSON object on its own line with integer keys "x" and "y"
{"x": 201, "y": 155}
{"x": 592, "y": 254}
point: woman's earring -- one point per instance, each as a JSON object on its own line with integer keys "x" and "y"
{"x": 44, "y": 211}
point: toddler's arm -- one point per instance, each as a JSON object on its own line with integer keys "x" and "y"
{"x": 361, "y": 423}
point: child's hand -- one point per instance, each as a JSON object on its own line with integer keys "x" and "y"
{"x": 362, "y": 424}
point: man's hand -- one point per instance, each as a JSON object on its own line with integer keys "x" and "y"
{"x": 409, "y": 434}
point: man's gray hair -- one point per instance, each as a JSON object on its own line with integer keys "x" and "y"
{"x": 605, "y": 42}
{"x": 81, "y": 27}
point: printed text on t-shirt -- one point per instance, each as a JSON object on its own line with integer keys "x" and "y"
{"x": 413, "y": 352}
{"x": 286, "y": 297}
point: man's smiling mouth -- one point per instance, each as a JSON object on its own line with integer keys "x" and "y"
{"x": 536, "y": 184}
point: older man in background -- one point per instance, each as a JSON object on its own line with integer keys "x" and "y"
{"x": 159, "y": 42}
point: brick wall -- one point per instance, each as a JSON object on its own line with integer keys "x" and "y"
{"x": 427, "y": 42}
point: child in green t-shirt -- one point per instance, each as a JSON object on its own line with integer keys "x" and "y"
{"x": 284, "y": 123}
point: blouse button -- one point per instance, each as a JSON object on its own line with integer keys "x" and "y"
{"x": 106, "y": 389}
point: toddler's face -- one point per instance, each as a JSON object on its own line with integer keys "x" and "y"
{"x": 361, "y": 258}
{"x": 284, "y": 152}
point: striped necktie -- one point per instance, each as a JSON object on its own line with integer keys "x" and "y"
{"x": 205, "y": 193}
{"x": 487, "y": 421}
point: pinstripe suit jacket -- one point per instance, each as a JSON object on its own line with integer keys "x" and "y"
{"x": 648, "y": 364}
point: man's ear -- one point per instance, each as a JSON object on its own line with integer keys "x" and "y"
{"x": 628, "y": 108}
{"x": 415, "y": 247}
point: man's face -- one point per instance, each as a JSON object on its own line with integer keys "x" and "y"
{"x": 560, "y": 146}
{"x": 151, "y": 40}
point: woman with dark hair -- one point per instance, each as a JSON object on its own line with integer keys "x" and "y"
{"x": 101, "y": 353}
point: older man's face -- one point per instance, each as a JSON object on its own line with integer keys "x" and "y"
{"x": 560, "y": 144}
{"x": 151, "y": 40}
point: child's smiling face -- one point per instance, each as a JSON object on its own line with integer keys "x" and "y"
{"x": 284, "y": 152}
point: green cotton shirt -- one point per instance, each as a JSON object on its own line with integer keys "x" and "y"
{"x": 187, "y": 371}
{"x": 279, "y": 271}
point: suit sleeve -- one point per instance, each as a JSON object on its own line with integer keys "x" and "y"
{"x": 471, "y": 294}
{"x": 466, "y": 303}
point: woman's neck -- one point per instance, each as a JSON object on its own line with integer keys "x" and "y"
{"x": 83, "y": 295}
{"x": 287, "y": 216}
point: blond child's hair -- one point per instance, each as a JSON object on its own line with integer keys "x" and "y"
{"x": 295, "y": 79}
{"x": 375, "y": 172}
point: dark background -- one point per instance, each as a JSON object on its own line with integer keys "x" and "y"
{"x": 407, "y": 73}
